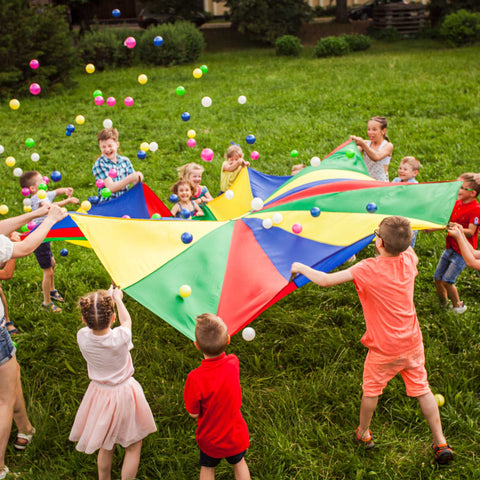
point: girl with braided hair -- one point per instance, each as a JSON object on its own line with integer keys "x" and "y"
{"x": 114, "y": 409}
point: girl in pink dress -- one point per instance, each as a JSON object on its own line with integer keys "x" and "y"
{"x": 114, "y": 409}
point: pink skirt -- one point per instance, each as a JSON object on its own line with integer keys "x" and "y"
{"x": 110, "y": 415}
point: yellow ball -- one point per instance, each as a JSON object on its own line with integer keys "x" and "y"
{"x": 14, "y": 104}
{"x": 142, "y": 79}
{"x": 3, "y": 209}
{"x": 145, "y": 146}
{"x": 191, "y": 133}
{"x": 27, "y": 208}
{"x": 185, "y": 291}
{"x": 41, "y": 194}
{"x": 80, "y": 119}
{"x": 90, "y": 68}
{"x": 197, "y": 73}
{"x": 86, "y": 205}
{"x": 10, "y": 161}
{"x": 440, "y": 399}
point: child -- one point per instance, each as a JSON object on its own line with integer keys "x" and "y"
{"x": 193, "y": 173}
{"x": 408, "y": 170}
{"x": 184, "y": 190}
{"x": 231, "y": 167}
{"x": 377, "y": 151}
{"x": 466, "y": 212}
{"x": 114, "y": 409}
{"x": 385, "y": 287}
{"x": 43, "y": 253}
{"x": 110, "y": 160}
{"x": 297, "y": 168}
{"x": 213, "y": 396}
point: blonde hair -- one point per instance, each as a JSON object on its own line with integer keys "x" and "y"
{"x": 396, "y": 234}
{"x": 233, "y": 150}
{"x": 108, "y": 133}
{"x": 413, "y": 162}
{"x": 97, "y": 309}
{"x": 186, "y": 170}
{"x": 211, "y": 334}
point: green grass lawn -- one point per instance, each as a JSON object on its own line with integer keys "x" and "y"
{"x": 301, "y": 376}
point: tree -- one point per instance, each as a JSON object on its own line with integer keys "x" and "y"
{"x": 341, "y": 12}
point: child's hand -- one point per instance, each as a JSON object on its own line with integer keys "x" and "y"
{"x": 68, "y": 191}
{"x": 117, "y": 294}
{"x": 14, "y": 237}
{"x": 56, "y": 213}
{"x": 455, "y": 230}
{"x": 296, "y": 268}
{"x": 74, "y": 200}
{"x": 139, "y": 176}
{"x": 42, "y": 210}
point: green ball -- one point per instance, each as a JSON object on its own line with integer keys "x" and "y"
{"x": 24, "y": 228}
{"x": 97, "y": 93}
{"x": 156, "y": 216}
{"x": 294, "y": 154}
{"x": 14, "y": 343}
{"x": 29, "y": 142}
{"x": 42, "y": 186}
{"x": 180, "y": 91}
{"x": 105, "y": 192}
{"x": 349, "y": 153}
{"x": 204, "y": 69}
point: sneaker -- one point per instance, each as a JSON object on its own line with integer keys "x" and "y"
{"x": 367, "y": 443}
{"x": 443, "y": 453}
{"x": 459, "y": 310}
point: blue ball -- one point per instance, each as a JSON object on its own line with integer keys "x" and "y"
{"x": 70, "y": 128}
{"x": 116, "y": 12}
{"x": 56, "y": 176}
{"x": 141, "y": 155}
{"x": 187, "y": 237}
{"x": 315, "y": 212}
{"x": 93, "y": 200}
{"x": 63, "y": 252}
{"x": 250, "y": 139}
{"x": 185, "y": 213}
{"x": 173, "y": 198}
{"x": 68, "y": 133}
{"x": 185, "y": 116}
{"x": 158, "y": 41}
{"x": 371, "y": 207}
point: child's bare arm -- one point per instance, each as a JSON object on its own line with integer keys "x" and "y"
{"x": 114, "y": 187}
{"x": 231, "y": 167}
{"x": 198, "y": 210}
{"x": 11, "y": 224}
{"x": 68, "y": 200}
{"x": 193, "y": 415}
{"x": 68, "y": 191}
{"x": 321, "y": 278}
{"x": 469, "y": 254}
{"x": 123, "y": 315}
{"x": 471, "y": 230}
{"x": 8, "y": 270}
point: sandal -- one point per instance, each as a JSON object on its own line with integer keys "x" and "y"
{"x": 51, "y": 306}
{"x": 14, "y": 330}
{"x": 23, "y": 440}
{"x": 4, "y": 472}
{"x": 368, "y": 443}
{"x": 56, "y": 295}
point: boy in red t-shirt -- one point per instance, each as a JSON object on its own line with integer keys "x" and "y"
{"x": 385, "y": 287}
{"x": 466, "y": 213}
{"x": 213, "y": 396}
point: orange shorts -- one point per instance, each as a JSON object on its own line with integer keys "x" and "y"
{"x": 380, "y": 369}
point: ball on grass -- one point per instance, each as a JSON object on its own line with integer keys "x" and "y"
{"x": 248, "y": 334}
{"x": 63, "y": 252}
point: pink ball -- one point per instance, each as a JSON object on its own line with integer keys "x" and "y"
{"x": 296, "y": 228}
{"x": 35, "y": 89}
{"x": 31, "y": 225}
{"x": 99, "y": 100}
{"x": 126, "y": 216}
{"x": 45, "y": 179}
{"x": 254, "y": 155}
{"x": 34, "y": 64}
{"x": 25, "y": 191}
{"x": 191, "y": 142}
{"x": 111, "y": 101}
{"x": 128, "y": 101}
{"x": 112, "y": 173}
{"x": 130, "y": 42}
{"x": 207, "y": 154}
{"x": 100, "y": 183}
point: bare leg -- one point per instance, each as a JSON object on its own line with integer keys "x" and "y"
{"x": 47, "y": 283}
{"x": 131, "y": 461}
{"x": 207, "y": 473}
{"x": 452, "y": 294}
{"x": 441, "y": 291}
{"x": 367, "y": 407}
{"x": 104, "y": 462}
{"x": 241, "y": 470}
{"x": 430, "y": 411}
{"x": 20, "y": 416}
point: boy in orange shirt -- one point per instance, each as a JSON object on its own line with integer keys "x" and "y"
{"x": 385, "y": 287}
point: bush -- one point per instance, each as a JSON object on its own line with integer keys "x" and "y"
{"x": 389, "y": 34}
{"x": 357, "y": 43}
{"x": 182, "y": 43}
{"x": 331, "y": 46}
{"x": 461, "y": 28}
{"x": 288, "y": 45}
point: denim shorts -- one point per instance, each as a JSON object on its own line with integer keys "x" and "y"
{"x": 208, "y": 461}
{"x": 449, "y": 266}
{"x": 7, "y": 348}
{"x": 44, "y": 255}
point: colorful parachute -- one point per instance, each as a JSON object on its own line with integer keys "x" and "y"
{"x": 238, "y": 268}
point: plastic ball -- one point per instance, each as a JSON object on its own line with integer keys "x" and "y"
{"x": 25, "y": 192}
{"x": 315, "y": 212}
{"x": 34, "y": 64}
{"x": 294, "y": 154}
{"x": 89, "y": 67}
{"x": 180, "y": 91}
{"x": 68, "y": 133}
{"x": 158, "y": 41}
{"x": 35, "y": 157}
{"x": 93, "y": 199}
{"x": 185, "y": 116}
{"x": 24, "y": 228}
{"x": 349, "y": 153}
{"x": 3, "y": 209}
{"x": 371, "y": 207}
{"x": 156, "y": 216}
{"x": 105, "y": 192}
{"x": 254, "y": 155}
{"x": 46, "y": 180}
{"x": 153, "y": 146}
{"x": 56, "y": 176}
{"x": 35, "y": 89}
{"x": 142, "y": 79}
{"x": 42, "y": 186}
{"x": 186, "y": 237}
{"x": 297, "y": 228}
{"x": 70, "y": 127}
{"x": 107, "y": 123}
{"x": 42, "y": 194}
{"x": 130, "y": 42}
{"x": 250, "y": 139}
{"x": 277, "y": 218}
{"x": 206, "y": 102}
{"x": 27, "y": 201}
{"x": 204, "y": 69}
{"x": 2, "y": 149}
{"x": 207, "y": 154}
{"x": 185, "y": 213}
{"x": 126, "y": 216}
{"x": 97, "y": 93}
{"x": 256, "y": 203}
{"x": 99, "y": 183}
{"x": 248, "y": 334}
{"x": 440, "y": 399}
{"x": 191, "y": 133}
{"x": 185, "y": 291}
{"x": 111, "y": 101}
{"x": 229, "y": 194}
{"x": 86, "y": 205}
{"x": 80, "y": 119}
{"x": 141, "y": 155}
{"x": 63, "y": 252}
{"x": 116, "y": 12}
{"x": 173, "y": 198}
{"x": 27, "y": 208}
{"x": 315, "y": 162}
{"x": 191, "y": 142}
{"x": 129, "y": 101}
{"x": 14, "y": 104}
{"x": 17, "y": 172}
{"x": 145, "y": 146}
{"x": 10, "y": 161}
{"x": 31, "y": 225}
{"x": 267, "y": 223}
{"x": 197, "y": 73}
{"x": 30, "y": 142}
{"x": 242, "y": 99}
{"x": 99, "y": 100}
{"x": 112, "y": 173}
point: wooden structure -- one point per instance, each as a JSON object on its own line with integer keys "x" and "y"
{"x": 406, "y": 18}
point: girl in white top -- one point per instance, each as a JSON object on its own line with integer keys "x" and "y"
{"x": 377, "y": 151}
{"x": 114, "y": 409}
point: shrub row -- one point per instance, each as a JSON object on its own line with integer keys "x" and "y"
{"x": 461, "y": 28}
{"x": 337, "y": 46}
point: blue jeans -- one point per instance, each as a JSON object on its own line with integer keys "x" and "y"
{"x": 449, "y": 266}
{"x": 7, "y": 348}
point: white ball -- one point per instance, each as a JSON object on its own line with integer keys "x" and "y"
{"x": 206, "y": 101}
{"x": 17, "y": 172}
{"x": 242, "y": 99}
{"x": 2, "y": 149}
{"x": 267, "y": 223}
{"x": 315, "y": 162}
{"x": 248, "y": 334}
{"x": 107, "y": 123}
{"x": 256, "y": 203}
{"x": 35, "y": 157}
{"x": 277, "y": 218}
{"x": 229, "y": 194}
{"x": 153, "y": 146}
{"x": 27, "y": 202}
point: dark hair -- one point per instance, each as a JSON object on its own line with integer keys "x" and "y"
{"x": 27, "y": 178}
{"x": 396, "y": 234}
{"x": 469, "y": 178}
{"x": 108, "y": 133}
{"x": 182, "y": 181}
{"x": 97, "y": 309}
{"x": 211, "y": 334}
{"x": 383, "y": 124}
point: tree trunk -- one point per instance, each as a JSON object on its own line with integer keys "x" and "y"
{"x": 341, "y": 15}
